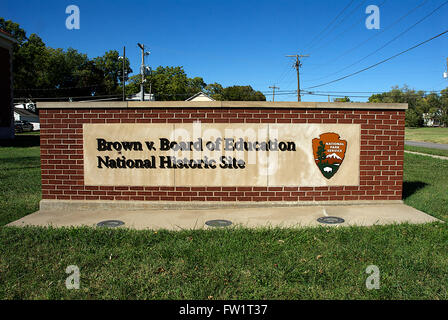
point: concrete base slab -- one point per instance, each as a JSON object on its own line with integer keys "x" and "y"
{"x": 360, "y": 215}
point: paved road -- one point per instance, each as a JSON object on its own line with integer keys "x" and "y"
{"x": 439, "y": 146}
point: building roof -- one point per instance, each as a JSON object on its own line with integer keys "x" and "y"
{"x": 5, "y": 35}
{"x": 24, "y": 112}
{"x": 200, "y": 93}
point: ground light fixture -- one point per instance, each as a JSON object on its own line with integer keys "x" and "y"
{"x": 110, "y": 223}
{"x": 330, "y": 220}
{"x": 218, "y": 223}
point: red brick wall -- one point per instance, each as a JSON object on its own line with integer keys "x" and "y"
{"x": 381, "y": 167}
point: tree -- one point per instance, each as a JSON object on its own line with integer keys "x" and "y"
{"x": 321, "y": 152}
{"x": 214, "y": 91}
{"x": 111, "y": 66}
{"x": 168, "y": 84}
{"x": 242, "y": 93}
{"x": 444, "y": 107}
{"x": 41, "y": 71}
{"x": 414, "y": 99}
{"x": 63, "y": 72}
{"x": 30, "y": 64}
{"x": 345, "y": 99}
{"x": 196, "y": 85}
{"x": 172, "y": 83}
{"x": 14, "y": 30}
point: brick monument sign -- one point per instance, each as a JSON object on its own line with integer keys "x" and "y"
{"x": 208, "y": 154}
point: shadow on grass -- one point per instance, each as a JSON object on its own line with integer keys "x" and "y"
{"x": 21, "y": 141}
{"x": 411, "y": 187}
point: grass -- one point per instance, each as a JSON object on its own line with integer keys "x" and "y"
{"x": 235, "y": 263}
{"x": 20, "y": 190}
{"x": 425, "y": 185}
{"x": 28, "y": 133}
{"x": 314, "y": 263}
{"x": 436, "y": 135}
{"x": 437, "y": 152}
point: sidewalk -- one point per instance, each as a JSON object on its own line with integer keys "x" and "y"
{"x": 427, "y": 155}
{"x": 305, "y": 216}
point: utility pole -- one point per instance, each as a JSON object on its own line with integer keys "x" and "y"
{"x": 143, "y": 71}
{"x": 124, "y": 74}
{"x": 273, "y": 91}
{"x": 297, "y": 66}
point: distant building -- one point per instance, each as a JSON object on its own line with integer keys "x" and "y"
{"x": 200, "y": 96}
{"x": 22, "y": 114}
{"x": 137, "y": 97}
{"x": 432, "y": 119}
{"x": 6, "y": 98}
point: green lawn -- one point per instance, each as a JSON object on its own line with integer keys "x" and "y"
{"x": 20, "y": 191}
{"x": 236, "y": 263}
{"x": 28, "y": 133}
{"x": 436, "y": 135}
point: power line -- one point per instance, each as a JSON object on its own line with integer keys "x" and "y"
{"x": 283, "y": 74}
{"x": 329, "y": 25}
{"x": 61, "y": 88}
{"x": 353, "y": 94}
{"x": 340, "y": 23}
{"x": 373, "y": 92}
{"x": 381, "y": 62}
{"x": 419, "y": 93}
{"x": 92, "y": 98}
{"x": 364, "y": 42}
{"x": 390, "y": 41}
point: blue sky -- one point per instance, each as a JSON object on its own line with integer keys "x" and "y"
{"x": 245, "y": 42}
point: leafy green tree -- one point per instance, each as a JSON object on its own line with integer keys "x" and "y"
{"x": 168, "y": 84}
{"x": 414, "y": 99}
{"x": 111, "y": 66}
{"x": 345, "y": 99}
{"x": 41, "y": 71}
{"x": 30, "y": 64}
{"x": 242, "y": 93}
{"x": 444, "y": 107}
{"x": 62, "y": 69}
{"x": 13, "y": 29}
{"x": 196, "y": 85}
{"x": 214, "y": 90}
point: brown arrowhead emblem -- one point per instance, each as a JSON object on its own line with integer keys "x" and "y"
{"x": 329, "y": 152}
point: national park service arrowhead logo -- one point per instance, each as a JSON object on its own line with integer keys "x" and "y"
{"x": 329, "y": 153}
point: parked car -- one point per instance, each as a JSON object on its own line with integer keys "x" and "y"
{"x": 23, "y": 126}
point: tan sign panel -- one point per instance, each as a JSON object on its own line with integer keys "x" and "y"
{"x": 198, "y": 154}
